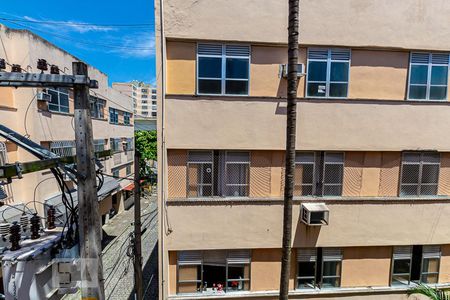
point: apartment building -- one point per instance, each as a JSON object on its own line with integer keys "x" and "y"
{"x": 144, "y": 102}
{"x": 372, "y": 185}
{"x": 46, "y": 117}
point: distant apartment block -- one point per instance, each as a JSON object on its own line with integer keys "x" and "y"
{"x": 144, "y": 100}
{"x": 372, "y": 175}
{"x": 46, "y": 116}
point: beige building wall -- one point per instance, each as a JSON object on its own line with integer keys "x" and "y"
{"x": 366, "y": 266}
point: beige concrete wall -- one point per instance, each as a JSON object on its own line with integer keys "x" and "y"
{"x": 260, "y": 172}
{"x": 413, "y": 24}
{"x": 172, "y": 272}
{"x": 353, "y": 223}
{"x": 444, "y": 267}
{"x": 181, "y": 68}
{"x": 177, "y": 173}
{"x": 378, "y": 74}
{"x": 341, "y": 125}
{"x": 366, "y": 266}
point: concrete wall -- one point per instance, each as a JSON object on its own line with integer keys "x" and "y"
{"x": 413, "y": 24}
{"x": 352, "y": 223}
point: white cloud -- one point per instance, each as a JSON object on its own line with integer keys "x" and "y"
{"x": 69, "y": 26}
{"x": 140, "y": 45}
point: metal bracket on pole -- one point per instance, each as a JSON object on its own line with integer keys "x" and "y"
{"x": 19, "y": 169}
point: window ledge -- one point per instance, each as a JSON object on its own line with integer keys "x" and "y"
{"x": 99, "y": 119}
{"x": 298, "y": 200}
{"x": 331, "y": 291}
{"x": 56, "y": 112}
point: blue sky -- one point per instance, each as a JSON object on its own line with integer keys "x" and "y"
{"x": 123, "y": 53}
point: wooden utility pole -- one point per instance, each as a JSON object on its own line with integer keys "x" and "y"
{"x": 89, "y": 217}
{"x": 291, "y": 116}
{"x": 137, "y": 229}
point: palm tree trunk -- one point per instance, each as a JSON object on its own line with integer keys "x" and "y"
{"x": 290, "y": 146}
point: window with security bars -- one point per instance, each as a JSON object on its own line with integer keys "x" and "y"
{"x": 319, "y": 173}
{"x": 218, "y": 173}
{"x": 126, "y": 118}
{"x": 319, "y": 268}
{"x": 115, "y": 144}
{"x": 328, "y": 73}
{"x": 420, "y": 173}
{"x": 213, "y": 271}
{"x": 59, "y": 100}
{"x": 97, "y": 107}
{"x": 113, "y": 116}
{"x": 223, "y": 69}
{"x": 99, "y": 145}
{"x": 428, "y": 76}
{"x": 63, "y": 148}
{"x": 5, "y": 188}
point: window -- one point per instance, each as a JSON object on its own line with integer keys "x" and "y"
{"x": 153, "y": 107}
{"x": 145, "y": 107}
{"x": 144, "y": 96}
{"x": 126, "y": 118}
{"x": 153, "y": 102}
{"x": 144, "y": 90}
{"x": 320, "y": 267}
{"x": 113, "y": 116}
{"x": 200, "y": 174}
{"x": 128, "y": 170}
{"x": 144, "y": 102}
{"x": 328, "y": 73}
{"x": 428, "y": 76}
{"x": 130, "y": 144}
{"x": 213, "y": 271}
{"x": 97, "y": 108}
{"x": 306, "y": 268}
{"x": 115, "y": 144}
{"x": 116, "y": 172}
{"x": 63, "y": 148}
{"x": 154, "y": 97}
{"x": 415, "y": 264}
{"x": 237, "y": 169}
{"x": 223, "y": 69}
{"x": 59, "y": 100}
{"x": 319, "y": 174}
{"x": 153, "y": 91}
{"x": 431, "y": 257}
{"x": 5, "y": 189}
{"x": 420, "y": 173}
{"x": 153, "y": 114}
{"x": 99, "y": 145}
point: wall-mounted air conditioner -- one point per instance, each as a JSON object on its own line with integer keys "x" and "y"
{"x": 283, "y": 73}
{"x": 314, "y": 214}
{"x": 42, "y": 96}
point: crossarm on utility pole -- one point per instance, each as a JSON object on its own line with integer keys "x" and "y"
{"x": 92, "y": 286}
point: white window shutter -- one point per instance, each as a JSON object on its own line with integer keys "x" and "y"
{"x": 209, "y": 49}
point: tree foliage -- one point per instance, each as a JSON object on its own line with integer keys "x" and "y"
{"x": 146, "y": 144}
{"x": 432, "y": 293}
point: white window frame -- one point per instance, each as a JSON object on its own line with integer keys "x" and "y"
{"x": 200, "y": 182}
{"x": 59, "y": 105}
{"x": 63, "y": 148}
{"x": 126, "y": 118}
{"x": 428, "y": 85}
{"x": 306, "y": 255}
{"x": 115, "y": 112}
{"x": 223, "y": 77}
{"x": 3, "y": 161}
{"x": 99, "y": 145}
{"x": 328, "y": 75}
{"x": 338, "y": 257}
{"x": 313, "y": 184}
{"x": 397, "y": 255}
{"x": 430, "y": 254}
{"x": 226, "y": 175}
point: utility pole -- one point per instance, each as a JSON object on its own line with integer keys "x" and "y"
{"x": 137, "y": 229}
{"x": 291, "y": 117}
{"x": 89, "y": 218}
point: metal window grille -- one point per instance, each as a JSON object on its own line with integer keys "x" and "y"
{"x": 63, "y": 148}
{"x": 200, "y": 174}
{"x": 99, "y": 145}
{"x": 192, "y": 270}
{"x": 305, "y": 174}
{"x": 225, "y": 79}
{"x": 97, "y": 107}
{"x": 420, "y": 173}
{"x": 237, "y": 173}
{"x": 431, "y": 256}
{"x": 115, "y": 144}
{"x": 126, "y": 118}
{"x": 5, "y": 189}
{"x": 59, "y": 101}
{"x": 331, "y": 267}
{"x": 334, "y": 62}
{"x": 401, "y": 265}
{"x": 306, "y": 268}
{"x": 128, "y": 170}
{"x": 428, "y": 76}
{"x": 333, "y": 174}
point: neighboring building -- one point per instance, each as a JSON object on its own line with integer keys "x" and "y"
{"x": 372, "y": 184}
{"x": 144, "y": 102}
{"x": 51, "y": 125}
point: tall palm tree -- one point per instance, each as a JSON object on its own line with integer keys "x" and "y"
{"x": 432, "y": 293}
{"x": 290, "y": 146}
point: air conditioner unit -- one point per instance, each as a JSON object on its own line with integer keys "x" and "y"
{"x": 314, "y": 214}
{"x": 284, "y": 70}
{"x": 44, "y": 97}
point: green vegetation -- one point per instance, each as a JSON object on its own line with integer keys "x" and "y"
{"x": 146, "y": 146}
{"x": 425, "y": 290}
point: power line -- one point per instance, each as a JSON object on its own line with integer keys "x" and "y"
{"x": 68, "y": 38}
{"x": 78, "y": 24}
